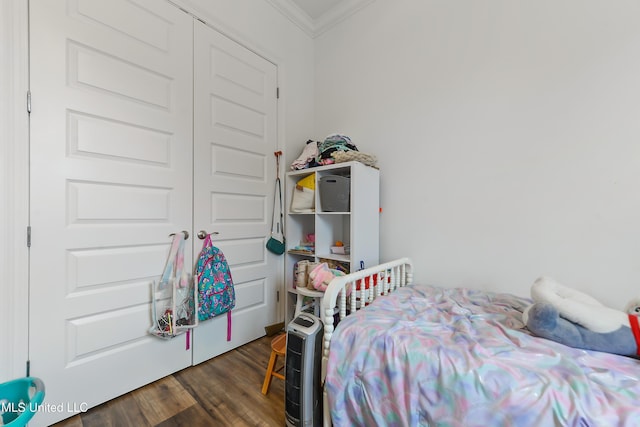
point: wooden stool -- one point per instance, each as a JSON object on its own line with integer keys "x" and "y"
{"x": 278, "y": 348}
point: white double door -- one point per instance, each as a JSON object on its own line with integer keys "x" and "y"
{"x": 145, "y": 122}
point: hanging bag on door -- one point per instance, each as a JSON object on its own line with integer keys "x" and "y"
{"x": 216, "y": 294}
{"x": 174, "y": 296}
{"x": 277, "y": 243}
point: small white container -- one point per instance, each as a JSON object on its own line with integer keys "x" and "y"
{"x": 340, "y": 250}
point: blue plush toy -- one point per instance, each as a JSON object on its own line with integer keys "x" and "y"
{"x": 575, "y": 319}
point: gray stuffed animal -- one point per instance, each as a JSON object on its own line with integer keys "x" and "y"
{"x": 578, "y": 320}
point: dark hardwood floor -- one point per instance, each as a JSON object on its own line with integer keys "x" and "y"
{"x": 224, "y": 391}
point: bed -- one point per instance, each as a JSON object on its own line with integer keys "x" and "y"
{"x": 403, "y": 354}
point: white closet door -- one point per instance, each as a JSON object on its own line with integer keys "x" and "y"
{"x": 234, "y": 174}
{"x": 111, "y": 160}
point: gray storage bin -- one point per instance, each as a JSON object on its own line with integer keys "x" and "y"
{"x": 335, "y": 192}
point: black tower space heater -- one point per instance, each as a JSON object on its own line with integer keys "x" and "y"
{"x": 303, "y": 391}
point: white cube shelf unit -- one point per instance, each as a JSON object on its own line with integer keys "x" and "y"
{"x": 357, "y": 226}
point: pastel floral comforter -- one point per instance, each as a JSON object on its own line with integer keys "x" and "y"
{"x": 428, "y": 356}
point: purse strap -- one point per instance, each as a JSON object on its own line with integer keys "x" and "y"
{"x": 278, "y": 189}
{"x": 174, "y": 267}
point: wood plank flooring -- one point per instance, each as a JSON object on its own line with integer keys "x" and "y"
{"x": 224, "y": 391}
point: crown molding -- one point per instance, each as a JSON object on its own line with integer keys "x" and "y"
{"x": 296, "y": 15}
{"x": 314, "y": 28}
{"x": 339, "y": 13}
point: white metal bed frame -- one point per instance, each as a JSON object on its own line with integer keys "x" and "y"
{"x": 386, "y": 278}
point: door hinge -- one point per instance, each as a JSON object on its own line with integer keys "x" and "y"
{"x": 277, "y": 296}
{"x": 28, "y": 368}
{"x": 29, "y": 101}
{"x": 28, "y": 236}
{"x": 277, "y": 93}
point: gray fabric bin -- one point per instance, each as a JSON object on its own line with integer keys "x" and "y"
{"x": 335, "y": 191}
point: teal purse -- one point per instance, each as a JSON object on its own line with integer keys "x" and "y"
{"x": 274, "y": 245}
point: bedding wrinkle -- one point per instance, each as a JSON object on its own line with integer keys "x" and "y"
{"x": 429, "y": 356}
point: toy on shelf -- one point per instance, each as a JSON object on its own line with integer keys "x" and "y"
{"x": 322, "y": 275}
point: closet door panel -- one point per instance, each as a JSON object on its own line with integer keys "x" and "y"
{"x": 234, "y": 175}
{"x": 111, "y": 168}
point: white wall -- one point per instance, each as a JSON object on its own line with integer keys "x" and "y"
{"x": 508, "y": 134}
{"x": 13, "y": 189}
{"x": 254, "y": 23}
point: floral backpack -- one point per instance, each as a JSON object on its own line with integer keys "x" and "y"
{"x": 216, "y": 294}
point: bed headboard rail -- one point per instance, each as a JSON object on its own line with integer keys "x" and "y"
{"x": 361, "y": 288}
{"x": 358, "y": 289}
